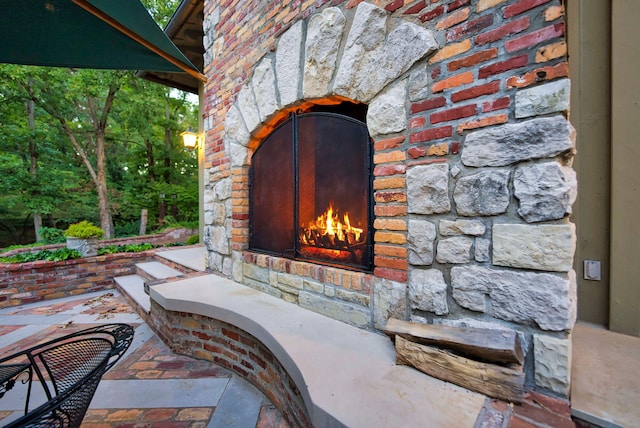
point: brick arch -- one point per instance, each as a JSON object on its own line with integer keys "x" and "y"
{"x": 327, "y": 64}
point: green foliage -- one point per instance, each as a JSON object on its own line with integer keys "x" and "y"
{"x": 131, "y": 228}
{"x": 192, "y": 240}
{"x": 52, "y": 235}
{"x": 84, "y": 230}
{"x": 145, "y": 156}
{"x": 57, "y": 255}
{"x": 128, "y": 248}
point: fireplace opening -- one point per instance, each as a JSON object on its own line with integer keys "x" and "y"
{"x": 311, "y": 191}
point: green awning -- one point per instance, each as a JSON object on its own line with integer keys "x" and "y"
{"x": 100, "y": 34}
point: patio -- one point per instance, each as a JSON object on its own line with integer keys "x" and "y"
{"x": 165, "y": 388}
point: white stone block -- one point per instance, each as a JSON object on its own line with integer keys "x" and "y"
{"x": 428, "y": 291}
{"x": 324, "y": 34}
{"x": 543, "y": 99}
{"x": 552, "y": 363}
{"x": 387, "y": 113}
{"x": 454, "y": 250}
{"x": 542, "y": 247}
{"x": 428, "y": 189}
{"x": 541, "y": 299}
{"x": 516, "y": 142}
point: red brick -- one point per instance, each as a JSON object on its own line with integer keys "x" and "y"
{"x": 389, "y": 262}
{"x": 522, "y": 6}
{"x": 383, "y": 170}
{"x": 394, "y": 5}
{"x": 539, "y": 75}
{"x": 435, "y": 73}
{"x": 532, "y": 39}
{"x": 417, "y": 152}
{"x": 481, "y": 123}
{"x": 432, "y": 14}
{"x": 476, "y": 91}
{"x": 453, "y": 19}
{"x": 455, "y": 148}
{"x": 454, "y": 113}
{"x": 555, "y": 405}
{"x": 431, "y": 134}
{"x": 428, "y": 104}
{"x": 503, "y": 31}
{"x": 427, "y": 161}
{"x": 390, "y": 250}
{"x": 417, "y": 122}
{"x": 516, "y": 422}
{"x": 501, "y": 67}
{"x": 470, "y": 27}
{"x": 389, "y": 196}
{"x": 416, "y": 8}
{"x": 456, "y": 4}
{"x": 533, "y": 412}
{"x": 453, "y": 81}
{"x": 390, "y": 210}
{"x": 392, "y": 274}
{"x": 389, "y": 143}
{"x": 498, "y": 104}
{"x": 472, "y": 59}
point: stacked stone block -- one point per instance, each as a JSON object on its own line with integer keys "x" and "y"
{"x": 467, "y": 106}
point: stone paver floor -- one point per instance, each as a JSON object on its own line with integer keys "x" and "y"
{"x": 151, "y": 386}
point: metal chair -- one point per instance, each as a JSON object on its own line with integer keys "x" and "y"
{"x": 68, "y": 369}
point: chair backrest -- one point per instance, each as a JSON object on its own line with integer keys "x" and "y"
{"x": 73, "y": 365}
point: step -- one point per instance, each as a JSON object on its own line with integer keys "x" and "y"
{"x": 134, "y": 287}
{"x": 153, "y": 271}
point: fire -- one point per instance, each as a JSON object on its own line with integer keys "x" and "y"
{"x": 327, "y": 231}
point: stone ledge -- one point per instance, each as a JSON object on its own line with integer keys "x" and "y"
{"x": 346, "y": 376}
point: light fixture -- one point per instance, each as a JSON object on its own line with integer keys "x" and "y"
{"x": 189, "y": 139}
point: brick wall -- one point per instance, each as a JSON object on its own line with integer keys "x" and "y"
{"x": 467, "y": 106}
{"x": 169, "y": 236}
{"x": 226, "y": 345}
{"x": 22, "y": 283}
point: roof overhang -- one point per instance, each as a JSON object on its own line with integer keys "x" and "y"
{"x": 99, "y": 34}
{"x": 185, "y": 29}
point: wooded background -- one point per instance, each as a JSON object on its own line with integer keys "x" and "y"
{"x": 95, "y": 145}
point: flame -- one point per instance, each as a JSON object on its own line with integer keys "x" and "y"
{"x": 329, "y": 225}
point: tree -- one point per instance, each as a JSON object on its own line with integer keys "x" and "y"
{"x": 80, "y": 101}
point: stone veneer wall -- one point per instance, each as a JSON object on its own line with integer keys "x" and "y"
{"x": 472, "y": 151}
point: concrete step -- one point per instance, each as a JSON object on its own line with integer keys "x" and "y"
{"x": 152, "y": 271}
{"x": 134, "y": 287}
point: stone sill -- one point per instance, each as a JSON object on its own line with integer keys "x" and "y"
{"x": 346, "y": 376}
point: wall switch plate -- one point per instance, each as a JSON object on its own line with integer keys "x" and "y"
{"x": 592, "y": 270}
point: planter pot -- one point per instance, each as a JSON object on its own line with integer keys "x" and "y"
{"x": 86, "y": 247}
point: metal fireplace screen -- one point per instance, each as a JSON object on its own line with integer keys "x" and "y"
{"x": 311, "y": 191}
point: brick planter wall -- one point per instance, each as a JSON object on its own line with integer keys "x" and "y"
{"x": 210, "y": 339}
{"x": 22, "y": 283}
{"x": 467, "y": 107}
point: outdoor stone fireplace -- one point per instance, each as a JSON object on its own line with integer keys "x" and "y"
{"x": 471, "y": 179}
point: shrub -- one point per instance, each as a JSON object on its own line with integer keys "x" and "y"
{"x": 193, "y": 239}
{"x": 128, "y": 248}
{"x": 48, "y": 255}
{"x": 51, "y": 235}
{"x": 84, "y": 230}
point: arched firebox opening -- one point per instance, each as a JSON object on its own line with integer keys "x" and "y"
{"x": 311, "y": 188}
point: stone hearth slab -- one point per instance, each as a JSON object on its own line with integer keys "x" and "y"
{"x": 347, "y": 376}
